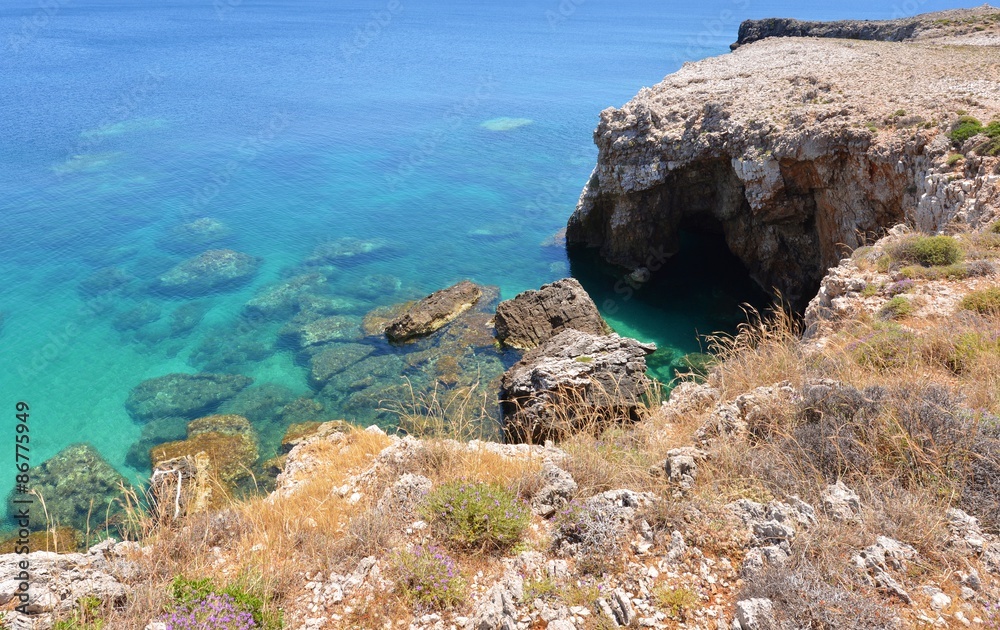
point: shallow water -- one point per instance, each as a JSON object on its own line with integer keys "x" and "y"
{"x": 457, "y": 135}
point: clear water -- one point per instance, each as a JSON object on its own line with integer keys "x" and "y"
{"x": 460, "y": 133}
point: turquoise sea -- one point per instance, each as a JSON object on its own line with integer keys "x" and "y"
{"x": 451, "y": 138}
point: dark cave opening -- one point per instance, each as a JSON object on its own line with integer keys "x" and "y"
{"x": 702, "y": 289}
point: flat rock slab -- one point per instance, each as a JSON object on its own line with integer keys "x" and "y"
{"x": 534, "y": 317}
{"x": 433, "y": 312}
{"x": 185, "y": 395}
{"x": 335, "y": 359}
{"x": 211, "y": 271}
{"x": 329, "y": 329}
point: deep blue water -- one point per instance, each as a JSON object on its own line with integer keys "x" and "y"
{"x": 296, "y": 123}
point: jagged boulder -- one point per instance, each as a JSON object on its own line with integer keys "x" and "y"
{"x": 534, "y": 317}
{"x": 433, "y": 312}
{"x": 185, "y": 395}
{"x": 214, "y": 270}
{"x": 571, "y": 380}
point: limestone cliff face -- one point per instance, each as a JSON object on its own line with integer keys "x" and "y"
{"x": 793, "y": 148}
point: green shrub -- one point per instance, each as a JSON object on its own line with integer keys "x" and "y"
{"x": 887, "y": 347}
{"x": 995, "y": 228}
{"x": 187, "y": 593}
{"x": 929, "y": 251}
{"x": 477, "y": 515}
{"x": 951, "y": 272}
{"x": 428, "y": 576}
{"x": 955, "y": 158}
{"x": 544, "y": 588}
{"x": 676, "y": 602}
{"x": 984, "y": 301}
{"x": 896, "y": 308}
{"x": 964, "y": 349}
{"x": 85, "y": 617}
{"x": 870, "y": 290}
{"x": 965, "y": 128}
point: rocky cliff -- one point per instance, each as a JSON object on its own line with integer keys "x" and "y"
{"x": 794, "y": 149}
{"x": 982, "y": 21}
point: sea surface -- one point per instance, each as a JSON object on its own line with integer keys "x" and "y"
{"x": 443, "y": 139}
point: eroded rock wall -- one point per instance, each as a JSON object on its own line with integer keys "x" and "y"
{"x": 795, "y": 148}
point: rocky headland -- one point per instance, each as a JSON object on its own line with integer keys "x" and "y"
{"x": 795, "y": 150}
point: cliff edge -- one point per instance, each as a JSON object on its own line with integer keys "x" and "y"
{"x": 794, "y": 149}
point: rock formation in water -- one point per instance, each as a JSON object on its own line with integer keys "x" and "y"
{"x": 210, "y": 271}
{"x": 794, "y": 150}
{"x": 433, "y": 312}
{"x": 534, "y": 317}
{"x": 185, "y": 395}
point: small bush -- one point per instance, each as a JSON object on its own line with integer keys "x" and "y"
{"x": 984, "y": 301}
{"x": 870, "y": 290}
{"x": 965, "y": 128}
{"x": 189, "y": 595}
{"x": 929, "y": 251}
{"x": 896, "y": 308}
{"x": 216, "y": 611}
{"x": 676, "y": 602}
{"x": 900, "y": 287}
{"x": 596, "y": 534}
{"x": 887, "y": 347}
{"x": 995, "y": 228}
{"x": 477, "y": 515}
{"x": 428, "y": 576}
{"x": 85, "y": 617}
{"x": 803, "y": 599}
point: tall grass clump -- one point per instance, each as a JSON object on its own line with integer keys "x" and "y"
{"x": 984, "y": 301}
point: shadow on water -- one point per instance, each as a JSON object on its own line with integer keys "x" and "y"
{"x": 703, "y": 289}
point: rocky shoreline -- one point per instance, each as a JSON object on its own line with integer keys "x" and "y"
{"x": 845, "y": 474}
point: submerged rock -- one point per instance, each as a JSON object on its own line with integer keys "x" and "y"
{"x": 80, "y": 488}
{"x": 186, "y": 395}
{"x": 158, "y": 431}
{"x": 145, "y": 312}
{"x": 533, "y": 317}
{"x": 187, "y": 316}
{"x": 229, "y": 348}
{"x": 325, "y": 330}
{"x": 433, "y": 312}
{"x": 104, "y": 281}
{"x": 573, "y": 379}
{"x": 282, "y": 299}
{"x": 373, "y": 371}
{"x": 300, "y": 410}
{"x": 211, "y": 271}
{"x": 346, "y": 250}
{"x": 260, "y": 404}
{"x": 378, "y": 286}
{"x": 195, "y": 236}
{"x": 334, "y": 359}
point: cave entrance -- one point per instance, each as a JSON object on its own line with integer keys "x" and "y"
{"x": 700, "y": 290}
